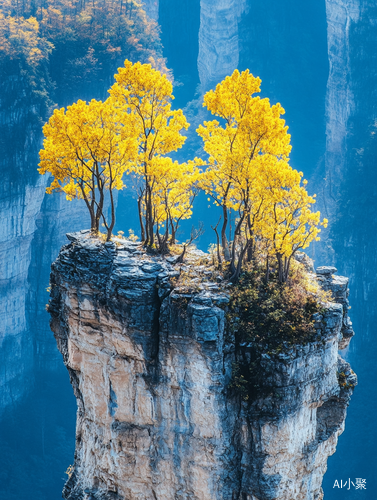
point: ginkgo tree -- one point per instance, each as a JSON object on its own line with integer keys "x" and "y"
{"x": 249, "y": 129}
{"x": 288, "y": 223}
{"x": 173, "y": 198}
{"x": 90, "y": 147}
{"x": 87, "y": 149}
{"x": 248, "y": 149}
{"x": 146, "y": 94}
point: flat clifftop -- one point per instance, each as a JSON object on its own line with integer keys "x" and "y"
{"x": 151, "y": 366}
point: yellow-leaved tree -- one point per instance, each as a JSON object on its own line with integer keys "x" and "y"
{"x": 87, "y": 149}
{"x": 250, "y": 128}
{"x": 288, "y": 223}
{"x": 146, "y": 94}
{"x": 248, "y": 173}
{"x": 173, "y": 198}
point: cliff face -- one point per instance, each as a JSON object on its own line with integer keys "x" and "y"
{"x": 150, "y": 367}
{"x": 19, "y": 209}
{"x": 339, "y": 100}
{"x": 21, "y": 196}
{"x": 218, "y": 39}
{"x": 341, "y": 16}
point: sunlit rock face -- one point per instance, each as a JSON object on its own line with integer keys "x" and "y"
{"x": 151, "y": 366}
{"x": 218, "y": 39}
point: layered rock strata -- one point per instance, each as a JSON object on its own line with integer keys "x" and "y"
{"x": 151, "y": 365}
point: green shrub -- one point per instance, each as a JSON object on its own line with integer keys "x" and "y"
{"x": 267, "y": 318}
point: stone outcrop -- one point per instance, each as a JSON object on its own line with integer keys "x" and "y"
{"x": 150, "y": 366}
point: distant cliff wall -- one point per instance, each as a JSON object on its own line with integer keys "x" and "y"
{"x": 218, "y": 39}
{"x": 19, "y": 207}
{"x": 33, "y": 223}
{"x": 150, "y": 367}
{"x": 340, "y": 14}
{"x": 21, "y": 196}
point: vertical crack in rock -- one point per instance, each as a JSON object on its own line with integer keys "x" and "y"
{"x": 151, "y": 365}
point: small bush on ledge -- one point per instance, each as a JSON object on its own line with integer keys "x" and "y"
{"x": 272, "y": 312}
{"x": 269, "y": 318}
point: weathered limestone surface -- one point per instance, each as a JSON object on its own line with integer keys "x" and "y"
{"x": 150, "y": 368}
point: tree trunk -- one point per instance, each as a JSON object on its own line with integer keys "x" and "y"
{"x": 164, "y": 241}
{"x": 218, "y": 244}
{"x": 173, "y": 233}
{"x": 224, "y": 241}
{"x": 280, "y": 267}
{"x": 149, "y": 217}
{"x": 235, "y": 276}
{"x": 287, "y": 268}
{"x": 141, "y": 218}
{"x": 236, "y": 234}
{"x": 91, "y": 211}
{"x": 182, "y": 256}
{"x": 250, "y": 248}
{"x": 112, "y": 224}
{"x": 250, "y": 251}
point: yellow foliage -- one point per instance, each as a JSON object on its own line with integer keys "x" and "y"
{"x": 21, "y": 36}
{"x": 87, "y": 149}
{"x": 248, "y": 172}
{"x": 164, "y": 190}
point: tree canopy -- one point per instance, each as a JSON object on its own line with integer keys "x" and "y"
{"x": 87, "y": 149}
{"x": 54, "y": 52}
{"x": 90, "y": 147}
{"x": 84, "y": 42}
{"x": 146, "y": 94}
{"x": 248, "y": 173}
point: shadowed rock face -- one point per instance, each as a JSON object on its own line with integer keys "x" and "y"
{"x": 150, "y": 368}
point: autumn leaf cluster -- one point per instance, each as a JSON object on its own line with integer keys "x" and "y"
{"x": 89, "y": 147}
{"x": 249, "y": 173}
